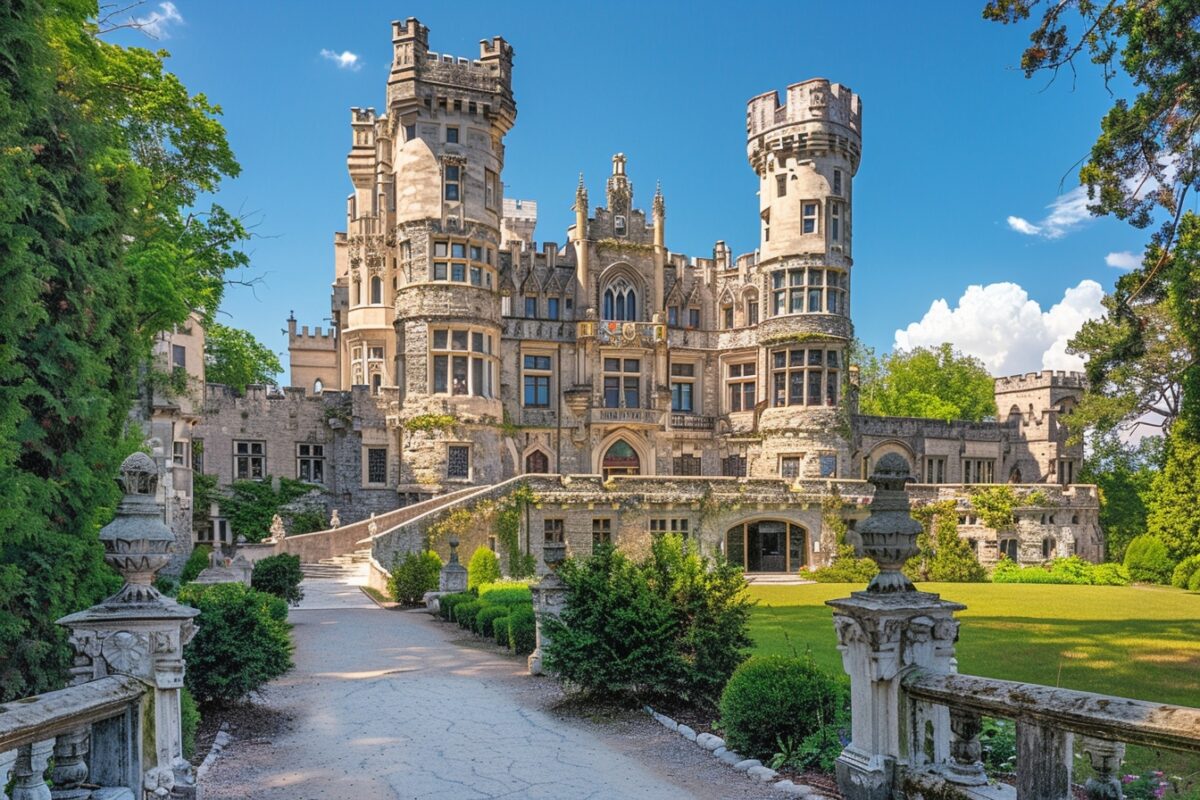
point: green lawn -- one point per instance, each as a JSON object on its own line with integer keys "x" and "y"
{"x": 1132, "y": 641}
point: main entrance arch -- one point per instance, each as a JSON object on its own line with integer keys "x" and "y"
{"x": 620, "y": 459}
{"x": 767, "y": 545}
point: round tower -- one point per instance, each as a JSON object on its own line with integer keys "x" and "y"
{"x": 806, "y": 152}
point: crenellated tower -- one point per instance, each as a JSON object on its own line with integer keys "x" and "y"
{"x": 805, "y": 152}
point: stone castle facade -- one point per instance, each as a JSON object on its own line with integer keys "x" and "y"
{"x": 463, "y": 354}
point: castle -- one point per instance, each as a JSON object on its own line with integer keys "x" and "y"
{"x": 462, "y": 354}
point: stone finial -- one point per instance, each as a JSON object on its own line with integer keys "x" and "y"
{"x": 137, "y": 543}
{"x": 889, "y": 534}
{"x": 277, "y": 529}
{"x": 372, "y": 527}
{"x": 453, "y": 550}
{"x": 334, "y": 520}
{"x": 659, "y": 207}
{"x": 581, "y": 196}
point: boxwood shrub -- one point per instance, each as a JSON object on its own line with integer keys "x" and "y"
{"x": 500, "y": 631}
{"x": 1147, "y": 560}
{"x": 522, "y": 630}
{"x": 464, "y": 614}
{"x": 1184, "y": 570}
{"x": 488, "y": 613}
{"x": 447, "y": 603}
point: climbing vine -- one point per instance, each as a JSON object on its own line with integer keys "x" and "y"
{"x": 430, "y": 422}
{"x": 507, "y": 526}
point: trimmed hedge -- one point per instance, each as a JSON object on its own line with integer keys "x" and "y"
{"x": 485, "y": 617}
{"x": 1070, "y": 570}
{"x": 447, "y": 603}
{"x": 522, "y": 630}
{"x": 781, "y": 701}
{"x": 279, "y": 575}
{"x": 1147, "y": 560}
{"x": 464, "y": 614}
{"x": 500, "y": 631}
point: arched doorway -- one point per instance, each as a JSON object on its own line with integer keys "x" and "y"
{"x": 537, "y": 462}
{"x": 620, "y": 459}
{"x": 768, "y": 545}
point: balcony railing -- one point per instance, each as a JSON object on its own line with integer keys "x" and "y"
{"x": 651, "y": 417}
{"x": 692, "y": 422}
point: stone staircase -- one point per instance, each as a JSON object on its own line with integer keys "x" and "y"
{"x": 776, "y": 579}
{"x": 350, "y": 567}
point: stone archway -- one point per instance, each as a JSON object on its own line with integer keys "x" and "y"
{"x": 620, "y": 458}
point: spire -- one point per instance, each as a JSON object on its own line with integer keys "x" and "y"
{"x": 620, "y": 190}
{"x": 659, "y": 207}
{"x": 581, "y": 198}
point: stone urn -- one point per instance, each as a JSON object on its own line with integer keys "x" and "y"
{"x": 889, "y": 534}
{"x": 554, "y": 554}
{"x": 137, "y": 543}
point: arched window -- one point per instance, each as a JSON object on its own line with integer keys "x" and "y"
{"x": 537, "y": 462}
{"x": 621, "y": 459}
{"x": 620, "y": 301}
{"x": 318, "y": 386}
{"x": 1008, "y": 549}
{"x": 767, "y": 546}
{"x": 376, "y": 290}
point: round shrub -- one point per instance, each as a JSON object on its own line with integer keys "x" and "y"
{"x": 483, "y": 620}
{"x": 483, "y": 568}
{"x": 1109, "y": 574}
{"x": 1184, "y": 571}
{"x": 447, "y": 603}
{"x": 1147, "y": 560}
{"x": 1194, "y": 582}
{"x": 413, "y": 576}
{"x": 464, "y": 614}
{"x": 242, "y": 641}
{"x": 522, "y": 630}
{"x": 197, "y": 562}
{"x": 500, "y": 631}
{"x": 279, "y": 575}
{"x": 775, "y": 699}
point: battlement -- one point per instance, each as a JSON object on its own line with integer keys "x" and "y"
{"x": 362, "y": 116}
{"x": 814, "y": 100}
{"x": 1046, "y": 379}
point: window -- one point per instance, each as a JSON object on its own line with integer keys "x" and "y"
{"x": 686, "y": 464}
{"x": 178, "y": 355}
{"x": 935, "y": 470}
{"x": 462, "y": 362}
{"x": 619, "y": 225}
{"x": 197, "y": 455}
{"x": 179, "y": 453}
{"x": 377, "y": 465}
{"x": 310, "y": 462}
{"x": 601, "y": 532}
{"x": 979, "y": 470}
{"x": 661, "y": 525}
{"x": 1008, "y": 549}
{"x": 780, "y": 185}
{"x": 789, "y": 467}
{"x": 828, "y": 465}
{"x": 530, "y": 307}
{"x": 249, "y": 460}
{"x": 837, "y": 181}
{"x": 450, "y": 263}
{"x": 683, "y": 380}
{"x": 410, "y": 132}
{"x": 808, "y": 219}
{"x": 835, "y": 221}
{"x": 622, "y": 378}
{"x": 376, "y": 290}
{"x": 805, "y": 377}
{"x": 1048, "y": 548}
{"x": 727, "y": 316}
{"x": 552, "y": 307}
{"x": 752, "y": 311}
{"x": 620, "y": 301}
{"x": 673, "y": 316}
{"x": 451, "y": 135}
{"x": 809, "y": 291}
{"x": 318, "y": 386}
{"x": 537, "y": 462}
{"x": 458, "y": 461}
{"x": 742, "y": 384}
{"x": 693, "y": 318}
{"x": 453, "y": 173}
{"x": 491, "y": 190}
{"x": 1066, "y": 472}
{"x": 537, "y": 382}
{"x": 733, "y": 466}
{"x": 552, "y": 531}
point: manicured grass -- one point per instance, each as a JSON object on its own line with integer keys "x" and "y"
{"x": 1133, "y": 641}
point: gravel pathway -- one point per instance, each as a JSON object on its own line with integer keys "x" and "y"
{"x": 386, "y": 704}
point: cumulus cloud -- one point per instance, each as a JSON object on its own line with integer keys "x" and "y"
{"x": 1123, "y": 260}
{"x": 344, "y": 59}
{"x": 1064, "y": 215}
{"x": 1003, "y": 327}
{"x": 157, "y": 23}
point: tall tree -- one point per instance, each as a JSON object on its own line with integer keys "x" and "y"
{"x": 235, "y": 358}
{"x": 934, "y": 383}
{"x": 1123, "y": 473}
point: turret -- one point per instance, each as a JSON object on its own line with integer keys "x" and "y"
{"x": 659, "y": 210}
{"x": 579, "y": 239}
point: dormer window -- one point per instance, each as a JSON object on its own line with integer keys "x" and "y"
{"x": 620, "y": 301}
{"x": 619, "y": 224}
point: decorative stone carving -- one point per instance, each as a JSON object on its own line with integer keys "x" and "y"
{"x": 278, "y": 532}
{"x": 889, "y": 535}
{"x": 1105, "y": 757}
{"x": 137, "y": 543}
{"x": 335, "y": 521}
{"x": 372, "y": 527}
{"x": 70, "y": 766}
{"x": 453, "y": 577}
{"x": 549, "y": 598}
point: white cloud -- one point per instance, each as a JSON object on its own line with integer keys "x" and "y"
{"x": 1123, "y": 260}
{"x": 344, "y": 59}
{"x": 1008, "y": 331}
{"x": 1066, "y": 213}
{"x": 156, "y": 24}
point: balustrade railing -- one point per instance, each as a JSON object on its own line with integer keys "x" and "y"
{"x": 692, "y": 422}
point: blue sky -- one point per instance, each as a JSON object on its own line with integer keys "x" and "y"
{"x": 967, "y": 176}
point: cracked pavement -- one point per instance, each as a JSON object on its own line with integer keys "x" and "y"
{"x": 393, "y": 704}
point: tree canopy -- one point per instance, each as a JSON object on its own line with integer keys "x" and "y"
{"x": 934, "y": 383}
{"x": 235, "y": 358}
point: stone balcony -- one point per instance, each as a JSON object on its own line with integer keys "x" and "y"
{"x": 629, "y": 417}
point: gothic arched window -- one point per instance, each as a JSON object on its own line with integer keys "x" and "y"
{"x": 620, "y": 301}
{"x": 537, "y": 462}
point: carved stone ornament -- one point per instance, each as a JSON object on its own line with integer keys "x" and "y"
{"x": 889, "y": 534}
{"x": 125, "y": 652}
{"x": 137, "y": 543}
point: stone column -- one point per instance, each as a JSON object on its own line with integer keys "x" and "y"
{"x": 883, "y": 633}
{"x": 549, "y": 598}
{"x": 139, "y": 632}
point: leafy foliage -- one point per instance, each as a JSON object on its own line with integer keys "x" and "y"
{"x": 189, "y": 721}
{"x": 942, "y": 555}
{"x": 279, "y": 575}
{"x": 483, "y": 568}
{"x": 774, "y": 700}
{"x": 994, "y": 505}
{"x": 251, "y": 505}
{"x": 1123, "y": 474}
{"x": 242, "y": 641}
{"x": 1181, "y": 576}
{"x": 507, "y": 526}
{"x": 413, "y": 576}
{"x": 464, "y": 613}
{"x": 1147, "y": 560}
{"x": 998, "y": 738}
{"x": 1173, "y": 502}
{"x": 933, "y": 383}
{"x": 447, "y": 603}
{"x": 846, "y": 566}
{"x": 235, "y": 358}
{"x": 197, "y": 562}
{"x": 1069, "y": 570}
{"x": 430, "y": 422}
